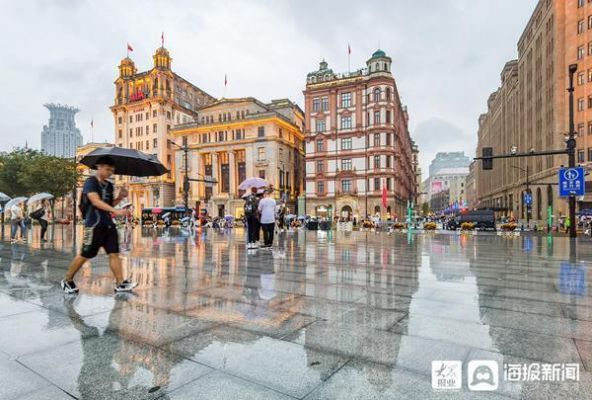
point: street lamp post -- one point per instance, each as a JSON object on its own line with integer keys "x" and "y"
{"x": 571, "y": 152}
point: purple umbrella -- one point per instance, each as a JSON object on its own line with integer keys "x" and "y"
{"x": 253, "y": 182}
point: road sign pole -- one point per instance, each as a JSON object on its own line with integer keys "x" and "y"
{"x": 571, "y": 152}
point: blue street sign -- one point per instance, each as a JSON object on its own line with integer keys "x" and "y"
{"x": 528, "y": 199}
{"x": 571, "y": 182}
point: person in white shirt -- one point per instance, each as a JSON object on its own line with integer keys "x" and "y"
{"x": 267, "y": 218}
{"x": 17, "y": 221}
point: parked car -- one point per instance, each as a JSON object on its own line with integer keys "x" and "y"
{"x": 483, "y": 219}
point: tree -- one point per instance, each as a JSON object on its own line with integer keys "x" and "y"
{"x": 11, "y": 166}
{"x": 54, "y": 175}
{"x": 425, "y": 208}
{"x": 24, "y": 172}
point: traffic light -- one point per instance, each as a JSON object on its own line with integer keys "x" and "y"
{"x": 487, "y": 162}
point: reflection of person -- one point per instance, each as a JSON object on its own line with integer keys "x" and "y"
{"x": 99, "y": 230}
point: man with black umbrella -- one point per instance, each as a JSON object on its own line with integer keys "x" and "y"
{"x": 97, "y": 205}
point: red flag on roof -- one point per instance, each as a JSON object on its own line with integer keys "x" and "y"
{"x": 129, "y": 48}
{"x": 225, "y": 80}
{"x": 348, "y": 49}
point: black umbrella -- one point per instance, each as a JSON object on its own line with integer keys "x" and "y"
{"x": 127, "y": 161}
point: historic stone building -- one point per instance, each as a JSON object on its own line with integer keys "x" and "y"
{"x": 60, "y": 137}
{"x": 147, "y": 106}
{"x": 530, "y": 112}
{"x": 233, "y": 139}
{"x": 357, "y": 142}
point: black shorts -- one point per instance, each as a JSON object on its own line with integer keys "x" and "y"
{"x": 97, "y": 237}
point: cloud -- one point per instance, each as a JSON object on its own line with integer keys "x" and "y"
{"x": 447, "y": 55}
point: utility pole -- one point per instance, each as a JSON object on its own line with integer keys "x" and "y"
{"x": 571, "y": 149}
{"x": 529, "y": 205}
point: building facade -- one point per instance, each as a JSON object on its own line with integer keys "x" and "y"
{"x": 235, "y": 139}
{"x": 450, "y": 159}
{"x": 529, "y": 111}
{"x": 451, "y": 180}
{"x": 60, "y": 137}
{"x": 147, "y": 106}
{"x": 357, "y": 142}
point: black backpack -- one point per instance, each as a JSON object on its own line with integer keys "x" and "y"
{"x": 251, "y": 205}
{"x": 37, "y": 214}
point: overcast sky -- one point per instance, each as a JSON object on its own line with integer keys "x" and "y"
{"x": 447, "y": 55}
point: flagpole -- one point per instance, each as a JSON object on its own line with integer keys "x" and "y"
{"x": 348, "y": 58}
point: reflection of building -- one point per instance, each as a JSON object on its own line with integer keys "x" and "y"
{"x": 147, "y": 105}
{"x": 357, "y": 142}
{"x": 471, "y": 190}
{"x": 60, "y": 137}
{"x": 530, "y": 111}
{"x": 233, "y": 139}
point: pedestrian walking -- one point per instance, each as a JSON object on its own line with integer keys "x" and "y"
{"x": 42, "y": 215}
{"x": 17, "y": 223}
{"x": 251, "y": 209}
{"x": 97, "y": 205}
{"x": 281, "y": 213}
{"x": 267, "y": 218}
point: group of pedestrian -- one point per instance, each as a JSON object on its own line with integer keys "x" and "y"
{"x": 260, "y": 214}
{"x": 20, "y": 221}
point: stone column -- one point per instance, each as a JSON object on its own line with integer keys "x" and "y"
{"x": 215, "y": 166}
{"x": 232, "y": 190}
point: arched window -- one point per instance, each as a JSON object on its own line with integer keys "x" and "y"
{"x": 388, "y": 93}
{"x": 549, "y": 196}
{"x": 377, "y": 94}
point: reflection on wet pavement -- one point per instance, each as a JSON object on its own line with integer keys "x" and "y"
{"x": 322, "y": 316}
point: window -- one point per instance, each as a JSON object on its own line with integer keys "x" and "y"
{"x": 324, "y": 103}
{"x": 580, "y": 132}
{"x": 153, "y": 128}
{"x": 147, "y": 129}
{"x": 590, "y": 48}
{"x": 119, "y": 134}
{"x": 388, "y": 161}
{"x": 581, "y": 104}
{"x": 346, "y": 186}
{"x": 346, "y": 99}
{"x": 147, "y": 115}
{"x": 346, "y": 164}
{"x": 590, "y": 75}
{"x": 589, "y": 127}
{"x": 581, "y": 74}
{"x": 377, "y": 117}
{"x": 131, "y": 132}
{"x": 388, "y": 184}
{"x": 388, "y": 94}
{"x": 581, "y": 3}
{"x": 153, "y": 113}
{"x": 581, "y": 52}
{"x": 376, "y": 183}
{"x": 131, "y": 119}
{"x": 120, "y": 120}
{"x": 262, "y": 173}
{"x": 346, "y": 143}
{"x": 590, "y": 22}
{"x": 388, "y": 117}
{"x": 147, "y": 144}
{"x": 260, "y": 153}
{"x": 376, "y": 161}
{"x": 154, "y": 143}
{"x": 261, "y": 131}
{"x": 320, "y": 167}
{"x": 581, "y": 156}
{"x": 316, "y": 104}
{"x": 377, "y": 94}
{"x": 346, "y": 122}
{"x": 581, "y": 26}
{"x": 320, "y": 125}
{"x": 320, "y": 187}
{"x": 168, "y": 115}
{"x": 319, "y": 145}
{"x": 376, "y": 139}
{"x": 589, "y": 153}
{"x": 388, "y": 139}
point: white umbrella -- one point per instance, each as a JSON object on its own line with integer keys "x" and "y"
{"x": 4, "y": 198}
{"x": 39, "y": 197}
{"x": 250, "y": 182}
{"x": 16, "y": 200}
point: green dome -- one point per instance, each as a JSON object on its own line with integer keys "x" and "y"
{"x": 378, "y": 53}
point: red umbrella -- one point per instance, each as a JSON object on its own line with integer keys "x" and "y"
{"x": 156, "y": 210}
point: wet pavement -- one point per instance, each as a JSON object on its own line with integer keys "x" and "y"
{"x": 322, "y": 316}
